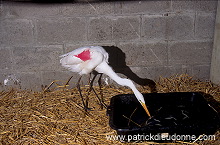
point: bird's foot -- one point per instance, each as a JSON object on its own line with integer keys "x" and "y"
{"x": 87, "y": 109}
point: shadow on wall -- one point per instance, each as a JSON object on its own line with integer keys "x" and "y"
{"x": 118, "y": 63}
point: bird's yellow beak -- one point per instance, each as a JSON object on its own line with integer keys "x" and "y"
{"x": 145, "y": 108}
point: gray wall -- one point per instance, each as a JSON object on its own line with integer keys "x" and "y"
{"x": 215, "y": 67}
{"x": 157, "y": 37}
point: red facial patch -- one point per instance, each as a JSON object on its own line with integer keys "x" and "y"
{"x": 84, "y": 56}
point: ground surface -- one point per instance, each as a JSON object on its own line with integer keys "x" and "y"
{"x": 55, "y": 116}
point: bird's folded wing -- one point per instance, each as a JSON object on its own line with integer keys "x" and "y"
{"x": 70, "y": 60}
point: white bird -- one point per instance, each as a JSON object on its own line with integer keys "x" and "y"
{"x": 84, "y": 60}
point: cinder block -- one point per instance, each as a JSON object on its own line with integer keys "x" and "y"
{"x": 145, "y": 7}
{"x": 194, "y": 5}
{"x": 207, "y": 5}
{"x": 63, "y": 30}
{"x": 5, "y": 59}
{"x": 117, "y": 7}
{"x": 1, "y": 9}
{"x": 139, "y": 31}
{"x": 186, "y": 69}
{"x": 87, "y": 9}
{"x": 201, "y": 72}
{"x": 180, "y": 27}
{"x": 20, "y": 80}
{"x": 16, "y": 32}
{"x": 100, "y": 29}
{"x": 183, "y": 6}
{"x": 190, "y": 53}
{"x": 205, "y": 25}
{"x": 126, "y": 28}
{"x": 71, "y": 46}
{"x": 33, "y": 59}
{"x": 154, "y": 72}
{"x": 145, "y": 54}
{"x": 31, "y": 10}
{"x": 153, "y": 27}
{"x": 30, "y": 80}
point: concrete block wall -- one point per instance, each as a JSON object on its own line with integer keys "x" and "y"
{"x": 215, "y": 67}
{"x": 147, "y": 39}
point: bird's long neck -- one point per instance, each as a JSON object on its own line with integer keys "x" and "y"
{"x": 106, "y": 69}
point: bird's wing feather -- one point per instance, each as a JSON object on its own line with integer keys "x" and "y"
{"x": 76, "y": 60}
{"x": 102, "y": 51}
{"x": 96, "y": 59}
{"x": 70, "y": 58}
{"x": 76, "y": 51}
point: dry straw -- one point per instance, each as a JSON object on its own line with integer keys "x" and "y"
{"x": 55, "y": 116}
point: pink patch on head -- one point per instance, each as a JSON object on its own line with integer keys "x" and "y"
{"x": 84, "y": 56}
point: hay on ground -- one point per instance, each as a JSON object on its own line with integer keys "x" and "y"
{"x": 55, "y": 115}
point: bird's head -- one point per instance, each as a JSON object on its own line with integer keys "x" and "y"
{"x": 140, "y": 98}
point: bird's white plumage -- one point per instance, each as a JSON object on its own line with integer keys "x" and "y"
{"x": 106, "y": 69}
{"x": 98, "y": 61}
{"x": 75, "y": 64}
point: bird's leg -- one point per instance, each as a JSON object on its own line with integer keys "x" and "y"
{"x": 85, "y": 105}
{"x": 91, "y": 83}
{"x": 101, "y": 93}
{"x": 90, "y": 86}
{"x": 92, "y": 89}
{"x": 90, "y": 74}
{"x": 67, "y": 82}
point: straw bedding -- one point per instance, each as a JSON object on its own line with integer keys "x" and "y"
{"x": 55, "y": 115}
